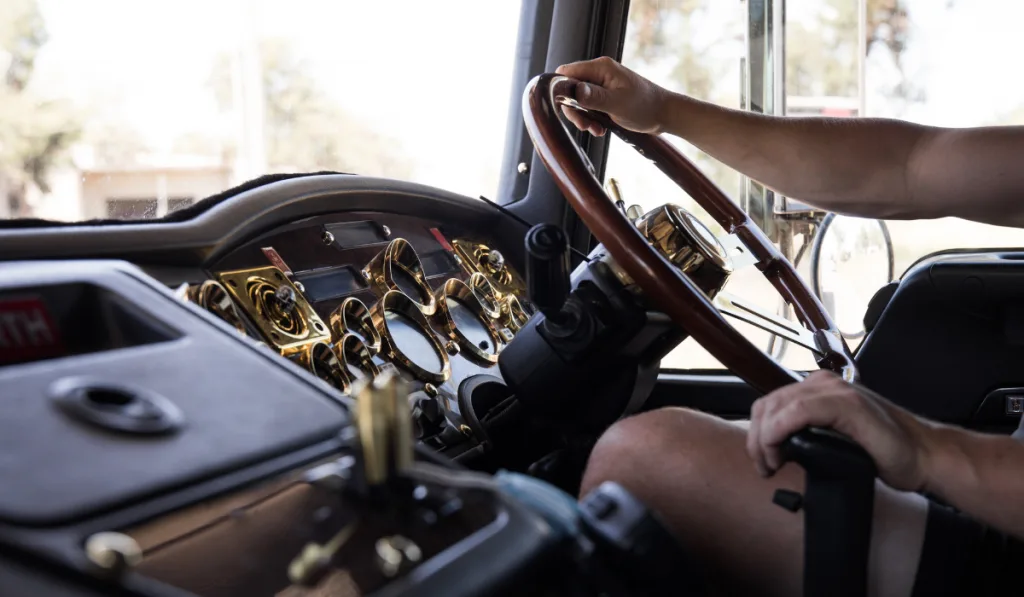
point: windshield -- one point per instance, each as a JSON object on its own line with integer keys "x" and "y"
{"x": 131, "y": 110}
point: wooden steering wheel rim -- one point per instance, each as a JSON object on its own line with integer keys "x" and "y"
{"x": 668, "y": 288}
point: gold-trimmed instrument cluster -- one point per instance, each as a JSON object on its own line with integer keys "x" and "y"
{"x": 408, "y": 322}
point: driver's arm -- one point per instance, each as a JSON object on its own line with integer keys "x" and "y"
{"x": 980, "y": 474}
{"x": 863, "y": 166}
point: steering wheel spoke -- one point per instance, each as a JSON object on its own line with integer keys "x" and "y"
{"x": 738, "y": 253}
{"x": 744, "y": 310}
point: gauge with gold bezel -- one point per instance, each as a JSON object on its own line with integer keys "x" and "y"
{"x": 355, "y": 357}
{"x": 513, "y": 316}
{"x": 212, "y": 296}
{"x": 398, "y": 268}
{"x": 352, "y": 316}
{"x": 485, "y": 294}
{"x": 466, "y": 320}
{"x": 319, "y": 358}
{"x": 407, "y": 339}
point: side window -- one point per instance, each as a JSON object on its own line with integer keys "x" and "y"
{"x": 843, "y": 58}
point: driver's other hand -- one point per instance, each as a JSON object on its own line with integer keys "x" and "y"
{"x": 632, "y": 101}
{"x": 895, "y": 438}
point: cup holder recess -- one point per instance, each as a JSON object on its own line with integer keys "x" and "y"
{"x": 116, "y": 406}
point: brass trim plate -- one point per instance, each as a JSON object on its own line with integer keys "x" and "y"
{"x": 292, "y": 332}
{"x": 460, "y": 291}
{"x": 353, "y": 317}
{"x": 399, "y": 255}
{"x": 397, "y": 302}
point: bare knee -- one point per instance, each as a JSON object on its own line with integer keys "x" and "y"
{"x": 634, "y": 451}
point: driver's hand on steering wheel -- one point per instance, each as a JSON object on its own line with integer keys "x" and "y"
{"x": 898, "y": 441}
{"x": 630, "y": 100}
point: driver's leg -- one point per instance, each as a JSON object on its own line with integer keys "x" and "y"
{"x": 693, "y": 469}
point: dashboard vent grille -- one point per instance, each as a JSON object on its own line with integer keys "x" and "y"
{"x": 263, "y": 296}
{"x": 279, "y": 310}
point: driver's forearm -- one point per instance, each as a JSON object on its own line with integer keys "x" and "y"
{"x": 854, "y": 166}
{"x": 980, "y": 474}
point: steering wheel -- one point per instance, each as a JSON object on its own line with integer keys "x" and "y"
{"x": 668, "y": 288}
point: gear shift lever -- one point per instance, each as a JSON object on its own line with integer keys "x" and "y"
{"x": 547, "y": 269}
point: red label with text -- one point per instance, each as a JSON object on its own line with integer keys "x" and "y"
{"x": 27, "y": 331}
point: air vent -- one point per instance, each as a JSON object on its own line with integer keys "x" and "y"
{"x": 280, "y": 311}
{"x": 283, "y": 315}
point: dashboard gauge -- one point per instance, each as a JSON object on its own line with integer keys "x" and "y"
{"x": 398, "y": 267}
{"x": 485, "y": 294}
{"x": 321, "y": 361}
{"x": 213, "y": 297}
{"x": 407, "y": 340}
{"x": 352, "y": 317}
{"x": 356, "y": 357}
{"x": 513, "y": 316}
{"x": 464, "y": 319}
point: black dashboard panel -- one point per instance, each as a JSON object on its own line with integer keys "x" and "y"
{"x": 171, "y": 248}
{"x": 228, "y": 399}
{"x": 952, "y": 334}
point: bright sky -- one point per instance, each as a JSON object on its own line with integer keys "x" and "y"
{"x": 966, "y": 57}
{"x": 435, "y": 75}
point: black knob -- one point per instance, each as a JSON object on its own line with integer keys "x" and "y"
{"x": 547, "y": 268}
{"x": 285, "y": 298}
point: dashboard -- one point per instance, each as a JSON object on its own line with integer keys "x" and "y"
{"x": 348, "y": 295}
{"x": 200, "y": 385}
{"x": 341, "y": 276}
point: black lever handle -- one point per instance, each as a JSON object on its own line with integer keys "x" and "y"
{"x": 547, "y": 268}
{"x": 838, "y": 506}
